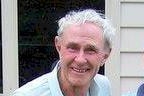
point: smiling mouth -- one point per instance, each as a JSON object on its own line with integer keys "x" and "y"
{"x": 80, "y": 70}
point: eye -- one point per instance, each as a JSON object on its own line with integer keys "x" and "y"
{"x": 91, "y": 51}
{"x": 72, "y": 48}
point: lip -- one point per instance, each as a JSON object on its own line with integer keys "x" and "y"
{"x": 80, "y": 70}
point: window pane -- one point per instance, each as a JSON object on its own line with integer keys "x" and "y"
{"x": 35, "y": 60}
{"x": 37, "y": 29}
{"x": 1, "y": 79}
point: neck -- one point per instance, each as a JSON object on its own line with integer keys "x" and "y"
{"x": 70, "y": 90}
{"x": 74, "y": 91}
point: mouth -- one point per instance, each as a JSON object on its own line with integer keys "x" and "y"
{"x": 79, "y": 70}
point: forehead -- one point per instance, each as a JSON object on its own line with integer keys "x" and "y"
{"x": 88, "y": 33}
{"x": 85, "y": 31}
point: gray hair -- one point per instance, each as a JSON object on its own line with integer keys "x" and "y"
{"x": 88, "y": 15}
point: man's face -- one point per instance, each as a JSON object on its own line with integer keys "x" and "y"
{"x": 81, "y": 53}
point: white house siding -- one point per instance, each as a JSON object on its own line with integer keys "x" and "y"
{"x": 128, "y": 58}
{"x": 132, "y": 44}
{"x": 126, "y": 68}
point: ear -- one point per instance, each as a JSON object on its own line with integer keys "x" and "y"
{"x": 57, "y": 43}
{"x": 105, "y": 57}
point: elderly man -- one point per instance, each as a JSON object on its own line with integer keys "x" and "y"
{"x": 84, "y": 43}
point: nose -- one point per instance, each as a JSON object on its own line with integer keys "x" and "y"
{"x": 80, "y": 58}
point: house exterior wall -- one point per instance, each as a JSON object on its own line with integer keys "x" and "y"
{"x": 128, "y": 58}
{"x": 132, "y": 44}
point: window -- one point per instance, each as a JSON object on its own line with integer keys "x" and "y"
{"x": 37, "y": 28}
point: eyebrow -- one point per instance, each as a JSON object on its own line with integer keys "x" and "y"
{"x": 87, "y": 45}
{"x": 92, "y": 46}
{"x": 72, "y": 44}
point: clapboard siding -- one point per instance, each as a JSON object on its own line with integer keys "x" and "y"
{"x": 131, "y": 44}
{"x": 132, "y": 39}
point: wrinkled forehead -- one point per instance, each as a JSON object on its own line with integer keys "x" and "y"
{"x": 86, "y": 33}
{"x": 85, "y": 29}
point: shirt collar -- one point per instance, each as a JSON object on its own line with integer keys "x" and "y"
{"x": 55, "y": 87}
{"x": 53, "y": 82}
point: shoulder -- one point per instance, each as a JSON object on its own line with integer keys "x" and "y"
{"x": 140, "y": 91}
{"x": 141, "y": 87}
{"x": 103, "y": 84}
{"x": 101, "y": 79}
{"x": 34, "y": 88}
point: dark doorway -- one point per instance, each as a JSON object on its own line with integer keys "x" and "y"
{"x": 37, "y": 28}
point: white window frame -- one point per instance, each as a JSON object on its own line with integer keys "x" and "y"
{"x": 9, "y": 46}
{"x": 112, "y": 69}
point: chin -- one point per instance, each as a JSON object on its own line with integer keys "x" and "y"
{"x": 79, "y": 82}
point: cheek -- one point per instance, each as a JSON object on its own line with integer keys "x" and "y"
{"x": 66, "y": 57}
{"x": 95, "y": 62}
{"x": 65, "y": 54}
{"x": 96, "y": 65}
